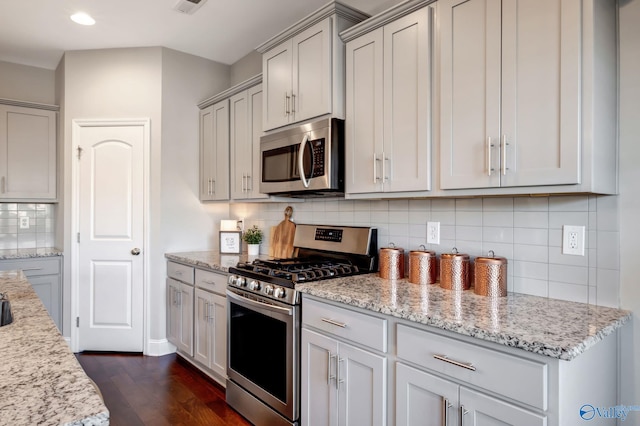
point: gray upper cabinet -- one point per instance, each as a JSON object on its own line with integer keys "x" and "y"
{"x": 214, "y": 152}
{"x": 303, "y": 68}
{"x": 388, "y": 124}
{"x": 519, "y": 104}
{"x": 27, "y": 154}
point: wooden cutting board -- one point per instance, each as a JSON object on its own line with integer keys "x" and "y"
{"x": 282, "y": 237}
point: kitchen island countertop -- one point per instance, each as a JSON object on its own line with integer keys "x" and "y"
{"x": 42, "y": 382}
{"x": 550, "y": 327}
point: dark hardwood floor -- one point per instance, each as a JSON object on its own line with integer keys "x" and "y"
{"x": 166, "y": 390}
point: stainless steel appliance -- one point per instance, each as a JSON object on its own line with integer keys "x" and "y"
{"x": 263, "y": 317}
{"x": 305, "y": 161}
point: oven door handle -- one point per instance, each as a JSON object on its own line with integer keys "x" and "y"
{"x": 257, "y": 305}
{"x": 303, "y": 145}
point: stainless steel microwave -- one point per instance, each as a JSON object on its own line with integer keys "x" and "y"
{"x": 305, "y": 161}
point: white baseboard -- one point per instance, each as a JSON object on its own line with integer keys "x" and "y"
{"x": 159, "y": 347}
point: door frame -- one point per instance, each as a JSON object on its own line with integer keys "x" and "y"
{"x": 76, "y": 127}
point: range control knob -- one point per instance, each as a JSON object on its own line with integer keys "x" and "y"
{"x": 254, "y": 285}
{"x": 268, "y": 290}
{"x": 241, "y": 281}
{"x": 232, "y": 279}
{"x": 279, "y": 292}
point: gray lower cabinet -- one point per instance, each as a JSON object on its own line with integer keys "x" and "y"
{"x": 45, "y": 276}
{"x": 197, "y": 317}
{"x": 362, "y": 367}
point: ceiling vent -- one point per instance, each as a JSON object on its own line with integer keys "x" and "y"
{"x": 188, "y": 6}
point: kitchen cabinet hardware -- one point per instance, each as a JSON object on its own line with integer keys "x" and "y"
{"x": 339, "y": 381}
{"x": 445, "y": 411}
{"x": 468, "y": 366}
{"x": 135, "y": 251}
{"x": 463, "y": 412}
{"x": 31, "y": 269}
{"x": 488, "y": 147}
{"x": 376, "y": 160}
{"x": 503, "y": 150}
{"x": 330, "y": 358}
{"x": 333, "y": 322}
{"x": 4, "y": 189}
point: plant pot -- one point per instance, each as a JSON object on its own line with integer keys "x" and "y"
{"x": 253, "y": 249}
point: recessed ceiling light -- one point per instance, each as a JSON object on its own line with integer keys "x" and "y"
{"x": 82, "y": 19}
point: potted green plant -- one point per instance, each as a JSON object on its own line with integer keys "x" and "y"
{"x": 253, "y": 238}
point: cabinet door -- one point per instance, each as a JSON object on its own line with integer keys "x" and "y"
{"x": 406, "y": 156}
{"x": 481, "y": 410}
{"x": 185, "y": 303}
{"x": 423, "y": 399}
{"x": 276, "y": 74}
{"x": 48, "y": 287}
{"x": 173, "y": 311}
{"x": 470, "y": 32}
{"x": 240, "y": 144}
{"x": 202, "y": 334}
{"x": 218, "y": 331}
{"x": 541, "y": 92}
{"x": 254, "y": 97}
{"x": 319, "y": 398}
{"x": 27, "y": 153}
{"x": 214, "y": 152}
{"x": 311, "y": 59}
{"x": 364, "y": 124}
{"x": 362, "y": 380}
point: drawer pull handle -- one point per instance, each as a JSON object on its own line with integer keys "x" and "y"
{"x": 178, "y": 272}
{"x": 445, "y": 358}
{"x": 31, "y": 269}
{"x": 208, "y": 282}
{"x": 332, "y": 322}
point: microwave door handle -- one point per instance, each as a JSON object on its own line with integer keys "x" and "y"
{"x": 303, "y": 144}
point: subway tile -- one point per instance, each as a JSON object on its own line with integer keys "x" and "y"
{"x": 557, "y": 258}
{"x": 332, "y": 206}
{"x": 555, "y": 237}
{"x": 444, "y": 217}
{"x": 531, "y": 204}
{"x": 569, "y": 203}
{"x": 419, "y": 205}
{"x": 497, "y": 218}
{"x": 499, "y": 249}
{"x": 443, "y": 204}
{"x": 8, "y": 214}
{"x": 497, "y": 204}
{"x": 530, "y": 253}
{"x": 330, "y": 217}
{"x": 399, "y": 229}
{"x": 608, "y": 288}
{"x": 592, "y": 255}
{"x": 346, "y": 206}
{"x": 468, "y": 218}
{"x": 469, "y": 204}
{"x": 27, "y": 207}
{"x": 445, "y": 246}
{"x": 472, "y": 248}
{"x": 362, "y": 216}
{"x": 418, "y": 216}
{"x": 593, "y": 203}
{"x": 379, "y": 216}
{"x": 532, "y": 236}
{"x": 593, "y": 221}
{"x": 380, "y": 205}
{"x": 608, "y": 213}
{"x": 27, "y": 240}
{"x": 593, "y": 295}
{"x": 447, "y": 232}
{"x": 346, "y": 217}
{"x": 608, "y": 252}
{"x": 592, "y": 240}
{"x": 469, "y": 233}
{"x": 569, "y": 274}
{"x": 593, "y": 275}
{"x": 418, "y": 230}
{"x": 8, "y": 206}
{"x": 558, "y": 219}
{"x": 401, "y": 205}
{"x": 401, "y": 241}
{"x": 534, "y": 270}
{"x": 416, "y": 242}
{"x": 399, "y": 216}
{"x": 362, "y": 205}
{"x": 497, "y": 235}
{"x": 531, "y": 286}
{"x": 570, "y": 292}
{"x": 531, "y": 219}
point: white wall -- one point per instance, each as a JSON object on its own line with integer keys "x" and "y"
{"x": 26, "y": 83}
{"x": 245, "y": 68}
{"x": 629, "y": 209}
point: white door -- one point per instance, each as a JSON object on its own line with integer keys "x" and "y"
{"x": 110, "y": 227}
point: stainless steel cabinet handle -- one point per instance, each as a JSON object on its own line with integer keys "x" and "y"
{"x": 135, "y": 251}
{"x": 468, "y": 366}
{"x": 339, "y": 381}
{"x": 209, "y": 308}
{"x": 445, "y": 411}
{"x": 463, "y": 412}
{"x": 488, "y": 147}
{"x": 205, "y": 313}
{"x": 286, "y": 104}
{"x": 213, "y": 186}
{"x": 4, "y": 186}
{"x": 31, "y": 269}
{"x": 249, "y": 187}
{"x": 375, "y": 168}
{"x": 329, "y": 375}
{"x": 332, "y": 322}
{"x": 178, "y": 273}
{"x": 293, "y": 103}
{"x": 385, "y": 159}
{"x": 503, "y": 149}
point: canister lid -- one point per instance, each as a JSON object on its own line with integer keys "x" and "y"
{"x": 454, "y": 255}
{"x": 491, "y": 259}
{"x": 424, "y": 252}
{"x": 392, "y": 248}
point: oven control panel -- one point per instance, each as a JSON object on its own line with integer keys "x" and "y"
{"x": 272, "y": 291}
{"x": 328, "y": 234}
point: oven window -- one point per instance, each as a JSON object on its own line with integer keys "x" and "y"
{"x": 258, "y": 349}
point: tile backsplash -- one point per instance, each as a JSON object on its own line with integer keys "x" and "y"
{"x": 525, "y": 230}
{"x": 39, "y": 232}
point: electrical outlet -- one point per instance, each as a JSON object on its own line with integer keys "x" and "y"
{"x": 240, "y": 224}
{"x": 24, "y": 222}
{"x": 433, "y": 232}
{"x": 573, "y": 240}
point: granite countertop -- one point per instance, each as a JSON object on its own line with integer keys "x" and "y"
{"x": 211, "y": 259}
{"x": 41, "y": 381}
{"x": 550, "y": 327}
{"x": 29, "y": 253}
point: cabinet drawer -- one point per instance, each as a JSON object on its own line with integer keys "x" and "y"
{"x": 354, "y": 326}
{"x": 180, "y": 272}
{"x": 34, "y": 266}
{"x": 211, "y": 281}
{"x": 518, "y": 378}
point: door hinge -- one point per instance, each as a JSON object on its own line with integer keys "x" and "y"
{"x": 79, "y": 152}
{"x": 77, "y": 321}
{"x": 78, "y": 237}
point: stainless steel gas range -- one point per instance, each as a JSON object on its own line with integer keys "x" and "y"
{"x": 264, "y": 315}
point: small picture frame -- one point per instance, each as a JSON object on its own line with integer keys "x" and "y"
{"x": 231, "y": 242}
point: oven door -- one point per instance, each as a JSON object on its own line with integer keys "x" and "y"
{"x": 263, "y": 349}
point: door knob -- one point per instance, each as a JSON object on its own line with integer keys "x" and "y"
{"x": 135, "y": 251}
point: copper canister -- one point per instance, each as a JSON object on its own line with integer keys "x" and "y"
{"x": 490, "y": 276}
{"x": 454, "y": 271}
{"x": 422, "y": 267}
{"x": 392, "y": 262}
